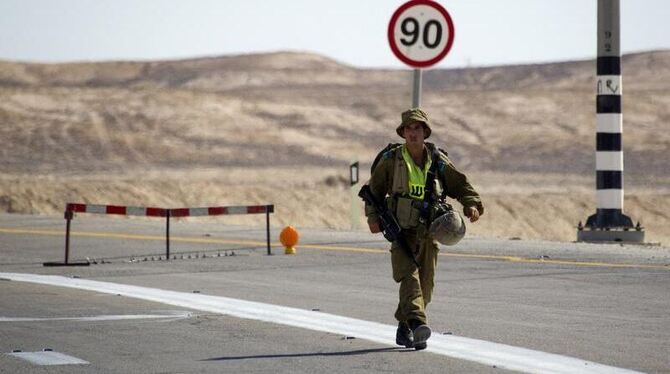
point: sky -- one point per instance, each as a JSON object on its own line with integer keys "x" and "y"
{"x": 487, "y": 32}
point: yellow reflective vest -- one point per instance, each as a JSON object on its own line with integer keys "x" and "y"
{"x": 416, "y": 176}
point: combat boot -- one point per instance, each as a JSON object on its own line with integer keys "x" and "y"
{"x": 403, "y": 336}
{"x": 420, "y": 332}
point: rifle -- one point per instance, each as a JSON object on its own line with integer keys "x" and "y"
{"x": 390, "y": 227}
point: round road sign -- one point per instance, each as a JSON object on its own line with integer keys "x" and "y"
{"x": 421, "y": 33}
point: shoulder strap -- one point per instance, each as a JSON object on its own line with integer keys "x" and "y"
{"x": 436, "y": 153}
{"x": 383, "y": 153}
{"x": 429, "y": 190}
{"x": 430, "y": 178}
{"x": 432, "y": 146}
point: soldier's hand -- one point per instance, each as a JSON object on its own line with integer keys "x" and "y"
{"x": 472, "y": 213}
{"x": 374, "y": 227}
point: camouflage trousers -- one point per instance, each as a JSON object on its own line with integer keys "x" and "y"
{"x": 416, "y": 285}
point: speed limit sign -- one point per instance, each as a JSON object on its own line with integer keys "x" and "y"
{"x": 421, "y": 33}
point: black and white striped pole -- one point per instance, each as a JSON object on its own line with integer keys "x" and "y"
{"x": 609, "y": 223}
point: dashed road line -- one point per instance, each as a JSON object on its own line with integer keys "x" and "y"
{"x": 112, "y": 317}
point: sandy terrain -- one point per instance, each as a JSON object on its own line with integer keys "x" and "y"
{"x": 282, "y": 128}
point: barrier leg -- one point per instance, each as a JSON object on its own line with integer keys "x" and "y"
{"x": 167, "y": 235}
{"x": 68, "y": 219}
{"x": 267, "y": 227}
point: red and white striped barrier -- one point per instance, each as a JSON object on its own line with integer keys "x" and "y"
{"x": 221, "y": 210}
{"x": 162, "y": 212}
{"x": 115, "y": 209}
{"x": 72, "y": 208}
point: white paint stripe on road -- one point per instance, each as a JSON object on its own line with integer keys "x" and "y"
{"x": 121, "y": 317}
{"x": 484, "y": 352}
{"x": 48, "y": 358}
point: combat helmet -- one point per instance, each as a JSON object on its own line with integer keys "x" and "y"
{"x": 448, "y": 228}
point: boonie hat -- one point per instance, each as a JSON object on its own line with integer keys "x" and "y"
{"x": 414, "y": 115}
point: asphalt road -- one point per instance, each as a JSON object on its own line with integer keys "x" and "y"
{"x": 602, "y": 303}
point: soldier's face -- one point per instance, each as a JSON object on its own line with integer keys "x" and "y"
{"x": 414, "y": 133}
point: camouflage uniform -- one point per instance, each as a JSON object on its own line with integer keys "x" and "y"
{"x": 390, "y": 180}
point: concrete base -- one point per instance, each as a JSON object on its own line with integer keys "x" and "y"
{"x": 630, "y": 236}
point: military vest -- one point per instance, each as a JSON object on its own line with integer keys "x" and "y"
{"x": 401, "y": 178}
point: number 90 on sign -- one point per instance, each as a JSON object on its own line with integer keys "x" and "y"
{"x": 421, "y": 33}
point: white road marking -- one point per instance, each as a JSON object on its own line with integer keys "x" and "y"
{"x": 112, "y": 317}
{"x": 481, "y": 351}
{"x": 48, "y": 358}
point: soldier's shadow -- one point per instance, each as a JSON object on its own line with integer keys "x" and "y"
{"x": 313, "y": 354}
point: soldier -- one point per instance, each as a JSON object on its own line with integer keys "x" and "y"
{"x": 400, "y": 177}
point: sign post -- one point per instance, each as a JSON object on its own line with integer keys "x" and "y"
{"x": 416, "y": 89}
{"x": 353, "y": 181}
{"x": 420, "y": 34}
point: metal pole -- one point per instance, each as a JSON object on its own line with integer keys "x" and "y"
{"x": 267, "y": 227}
{"x": 609, "y": 152}
{"x": 68, "y": 217}
{"x": 416, "y": 91}
{"x": 167, "y": 234}
{"x": 353, "y": 209}
{"x": 609, "y": 223}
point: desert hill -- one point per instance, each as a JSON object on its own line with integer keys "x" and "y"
{"x": 303, "y": 69}
{"x": 284, "y": 126}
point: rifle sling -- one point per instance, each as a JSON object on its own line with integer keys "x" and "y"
{"x": 428, "y": 198}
